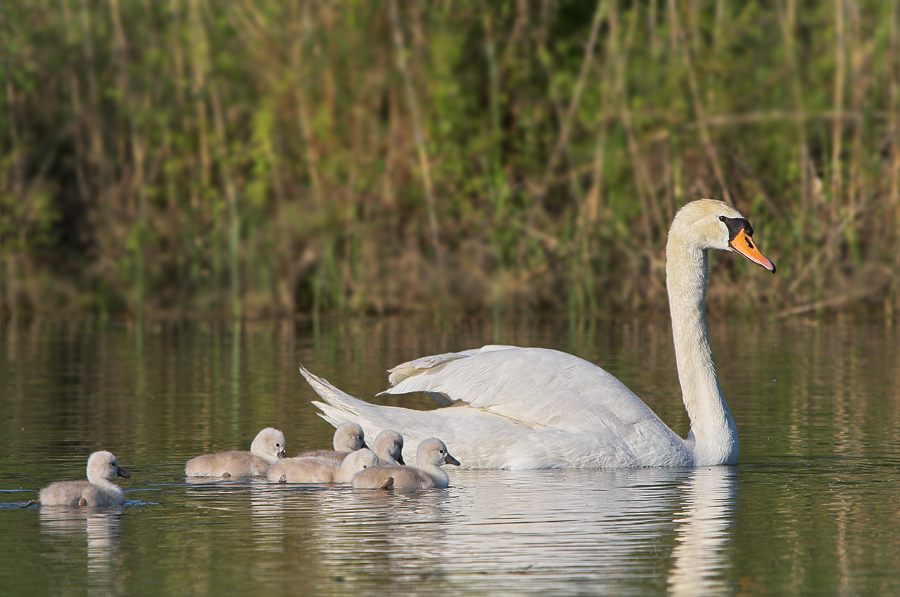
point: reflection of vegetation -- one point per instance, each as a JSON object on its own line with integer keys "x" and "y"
{"x": 815, "y": 405}
{"x": 265, "y": 158}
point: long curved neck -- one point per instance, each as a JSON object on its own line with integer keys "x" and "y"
{"x": 713, "y": 437}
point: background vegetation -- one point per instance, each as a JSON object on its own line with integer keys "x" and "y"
{"x": 267, "y": 157}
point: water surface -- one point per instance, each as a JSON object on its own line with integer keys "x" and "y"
{"x": 812, "y": 506}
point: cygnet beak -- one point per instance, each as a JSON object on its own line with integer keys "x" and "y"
{"x": 451, "y": 460}
{"x": 282, "y": 454}
{"x": 400, "y": 459}
{"x": 122, "y": 472}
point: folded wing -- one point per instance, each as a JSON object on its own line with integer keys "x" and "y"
{"x": 535, "y": 387}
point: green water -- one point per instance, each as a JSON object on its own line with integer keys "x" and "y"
{"x": 812, "y": 508}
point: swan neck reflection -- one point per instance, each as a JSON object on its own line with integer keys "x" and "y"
{"x": 701, "y": 553}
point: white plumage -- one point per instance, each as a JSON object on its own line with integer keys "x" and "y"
{"x": 523, "y": 408}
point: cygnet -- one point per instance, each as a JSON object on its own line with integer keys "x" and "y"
{"x": 388, "y": 447}
{"x": 267, "y": 448}
{"x": 98, "y": 490}
{"x": 321, "y": 470}
{"x": 348, "y": 437}
{"x": 432, "y": 453}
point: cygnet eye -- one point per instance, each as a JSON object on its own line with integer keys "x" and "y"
{"x": 441, "y": 451}
{"x": 277, "y": 445}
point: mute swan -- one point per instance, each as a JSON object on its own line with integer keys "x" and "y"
{"x": 388, "y": 447}
{"x": 430, "y": 456}
{"x": 522, "y": 408}
{"x": 267, "y": 448}
{"x": 348, "y": 437}
{"x": 98, "y": 490}
{"x": 321, "y": 470}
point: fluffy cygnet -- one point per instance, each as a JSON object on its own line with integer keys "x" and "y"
{"x": 267, "y": 448}
{"x": 432, "y": 453}
{"x": 321, "y": 470}
{"x": 98, "y": 490}
{"x": 348, "y": 437}
{"x": 388, "y": 447}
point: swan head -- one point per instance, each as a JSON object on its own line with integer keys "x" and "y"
{"x": 390, "y": 443}
{"x": 434, "y": 452}
{"x": 349, "y": 437}
{"x": 269, "y": 445}
{"x": 360, "y": 459}
{"x": 711, "y": 224}
{"x": 103, "y": 465}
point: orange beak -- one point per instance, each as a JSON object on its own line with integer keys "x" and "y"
{"x": 743, "y": 244}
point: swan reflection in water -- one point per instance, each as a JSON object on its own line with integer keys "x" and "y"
{"x": 101, "y": 527}
{"x": 528, "y": 531}
{"x": 701, "y": 555}
{"x": 267, "y": 512}
{"x": 602, "y": 528}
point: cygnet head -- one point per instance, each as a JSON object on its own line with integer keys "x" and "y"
{"x": 360, "y": 459}
{"x": 103, "y": 465}
{"x": 711, "y": 224}
{"x": 389, "y": 447}
{"x": 349, "y": 437}
{"x": 433, "y": 452}
{"x": 269, "y": 445}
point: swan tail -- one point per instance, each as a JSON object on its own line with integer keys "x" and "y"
{"x": 323, "y": 388}
{"x": 336, "y": 414}
{"x": 340, "y": 407}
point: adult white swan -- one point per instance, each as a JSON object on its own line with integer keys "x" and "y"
{"x": 521, "y": 408}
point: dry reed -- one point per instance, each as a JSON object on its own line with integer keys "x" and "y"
{"x": 193, "y": 158}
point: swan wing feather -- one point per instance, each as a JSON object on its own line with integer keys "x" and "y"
{"x": 537, "y": 387}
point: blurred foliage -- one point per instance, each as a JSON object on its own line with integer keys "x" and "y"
{"x": 263, "y": 158}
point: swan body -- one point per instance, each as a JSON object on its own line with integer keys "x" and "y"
{"x": 388, "y": 447}
{"x": 348, "y": 437}
{"x": 431, "y": 455}
{"x": 525, "y": 408}
{"x": 98, "y": 490}
{"x": 321, "y": 470}
{"x": 266, "y": 449}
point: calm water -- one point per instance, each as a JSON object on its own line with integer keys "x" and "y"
{"x": 813, "y": 507}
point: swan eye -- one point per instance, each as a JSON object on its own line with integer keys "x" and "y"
{"x": 735, "y": 226}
